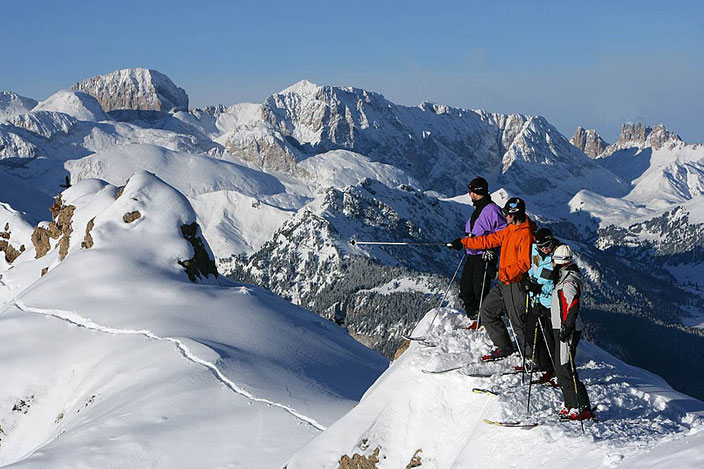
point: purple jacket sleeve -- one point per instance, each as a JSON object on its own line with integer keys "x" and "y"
{"x": 489, "y": 221}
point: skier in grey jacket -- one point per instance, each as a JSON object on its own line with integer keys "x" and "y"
{"x": 564, "y": 311}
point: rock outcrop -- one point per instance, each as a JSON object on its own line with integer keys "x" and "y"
{"x": 59, "y": 228}
{"x": 638, "y": 135}
{"x": 135, "y": 88}
{"x": 201, "y": 264}
{"x": 11, "y": 253}
{"x": 589, "y": 142}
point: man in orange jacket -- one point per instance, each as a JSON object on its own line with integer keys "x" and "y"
{"x": 509, "y": 295}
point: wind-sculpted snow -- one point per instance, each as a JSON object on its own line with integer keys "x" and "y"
{"x": 438, "y": 418}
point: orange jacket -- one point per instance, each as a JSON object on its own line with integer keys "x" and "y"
{"x": 515, "y": 243}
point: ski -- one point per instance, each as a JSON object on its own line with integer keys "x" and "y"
{"x": 421, "y": 340}
{"x": 445, "y": 370}
{"x": 484, "y": 391}
{"x": 489, "y": 375}
{"x": 511, "y": 424}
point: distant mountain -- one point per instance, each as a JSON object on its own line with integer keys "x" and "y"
{"x": 12, "y": 104}
{"x": 135, "y": 88}
{"x": 589, "y": 142}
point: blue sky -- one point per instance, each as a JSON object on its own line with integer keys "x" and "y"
{"x": 595, "y": 64}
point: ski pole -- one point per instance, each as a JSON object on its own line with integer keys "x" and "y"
{"x": 574, "y": 381}
{"x": 481, "y": 297}
{"x": 545, "y": 338}
{"x": 532, "y": 364}
{"x": 447, "y": 290}
{"x": 525, "y": 343}
{"x": 515, "y": 337}
{"x": 354, "y": 242}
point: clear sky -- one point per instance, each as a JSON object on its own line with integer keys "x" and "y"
{"x": 590, "y": 63}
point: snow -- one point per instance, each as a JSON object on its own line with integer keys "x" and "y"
{"x": 340, "y": 168}
{"x": 407, "y": 410}
{"x": 77, "y": 104}
{"x": 12, "y": 104}
{"x": 115, "y": 345}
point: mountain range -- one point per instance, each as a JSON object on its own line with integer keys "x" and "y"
{"x": 123, "y": 212}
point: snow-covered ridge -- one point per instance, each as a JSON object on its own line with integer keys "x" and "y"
{"x": 123, "y": 317}
{"x": 12, "y": 104}
{"x": 77, "y": 104}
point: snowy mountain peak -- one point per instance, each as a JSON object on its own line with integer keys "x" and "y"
{"x": 12, "y": 104}
{"x": 77, "y": 104}
{"x": 641, "y": 135}
{"x": 589, "y": 141}
{"x": 303, "y": 87}
{"x": 135, "y": 88}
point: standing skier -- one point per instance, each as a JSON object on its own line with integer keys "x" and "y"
{"x": 540, "y": 286}
{"x": 507, "y": 296}
{"x": 564, "y": 310}
{"x": 480, "y": 266}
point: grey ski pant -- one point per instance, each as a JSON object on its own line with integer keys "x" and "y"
{"x": 507, "y": 299}
{"x": 566, "y": 377}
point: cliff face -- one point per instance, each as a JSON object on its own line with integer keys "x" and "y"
{"x": 135, "y": 88}
{"x": 589, "y": 142}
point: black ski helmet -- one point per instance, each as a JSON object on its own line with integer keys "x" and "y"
{"x": 544, "y": 238}
{"x": 515, "y": 205}
{"x": 479, "y": 186}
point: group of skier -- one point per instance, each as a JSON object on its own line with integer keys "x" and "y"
{"x": 539, "y": 288}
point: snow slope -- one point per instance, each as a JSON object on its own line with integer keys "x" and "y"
{"x": 437, "y": 419}
{"x": 117, "y": 346}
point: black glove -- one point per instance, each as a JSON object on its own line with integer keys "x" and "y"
{"x": 566, "y": 333}
{"x": 488, "y": 256}
{"x": 528, "y": 286}
{"x": 456, "y": 244}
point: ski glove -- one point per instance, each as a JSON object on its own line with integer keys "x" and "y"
{"x": 456, "y": 244}
{"x": 531, "y": 287}
{"x": 488, "y": 256}
{"x": 566, "y": 333}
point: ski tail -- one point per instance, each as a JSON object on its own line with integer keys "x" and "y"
{"x": 511, "y": 424}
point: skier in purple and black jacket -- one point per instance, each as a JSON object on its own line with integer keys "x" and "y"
{"x": 480, "y": 267}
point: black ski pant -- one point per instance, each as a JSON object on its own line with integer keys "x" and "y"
{"x": 543, "y": 349}
{"x": 502, "y": 299}
{"x": 567, "y": 375}
{"x": 476, "y": 273}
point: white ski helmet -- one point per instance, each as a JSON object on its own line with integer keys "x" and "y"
{"x": 562, "y": 255}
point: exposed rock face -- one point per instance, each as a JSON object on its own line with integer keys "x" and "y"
{"x": 641, "y": 135}
{"x": 589, "y": 142}
{"x": 135, "y": 88}
{"x": 59, "y": 227}
{"x": 402, "y": 348}
{"x": 88, "y": 238}
{"x": 131, "y": 216}
{"x": 201, "y": 264}
{"x": 359, "y": 461}
{"x": 11, "y": 253}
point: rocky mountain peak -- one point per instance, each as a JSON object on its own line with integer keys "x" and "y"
{"x": 589, "y": 142}
{"x": 639, "y": 134}
{"x": 135, "y": 88}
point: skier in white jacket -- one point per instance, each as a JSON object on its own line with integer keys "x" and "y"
{"x": 564, "y": 311}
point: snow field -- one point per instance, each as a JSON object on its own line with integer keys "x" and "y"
{"x": 407, "y": 410}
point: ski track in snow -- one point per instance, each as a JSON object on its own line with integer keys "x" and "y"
{"x": 78, "y": 320}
